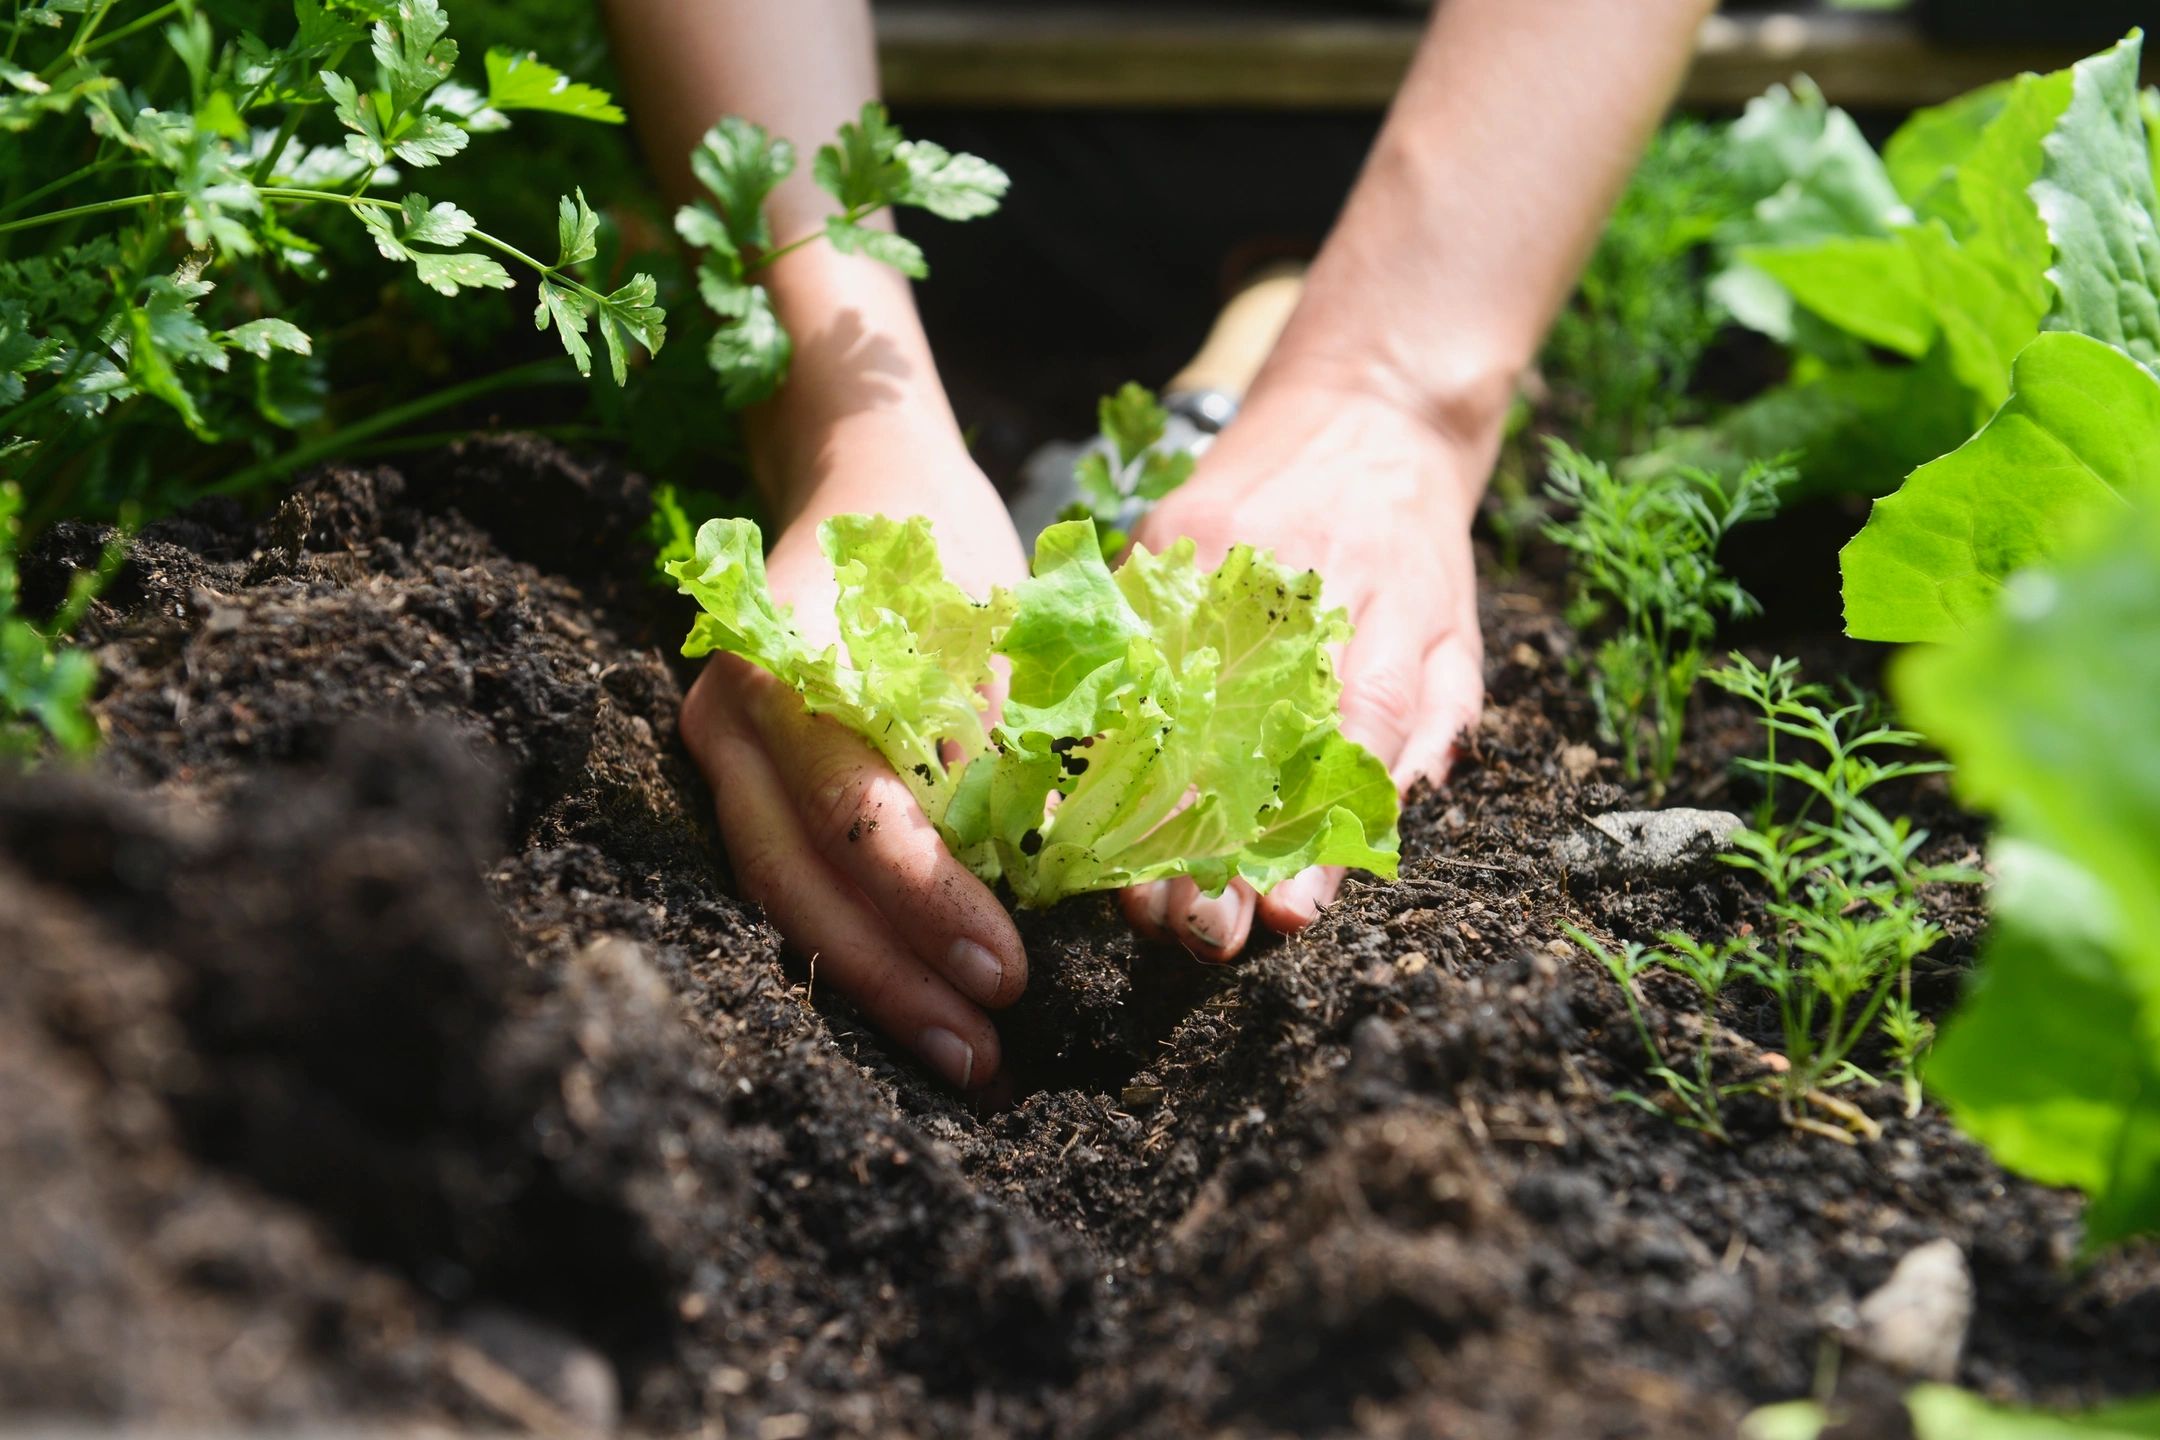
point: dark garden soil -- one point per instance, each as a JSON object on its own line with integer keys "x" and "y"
{"x": 379, "y": 1040}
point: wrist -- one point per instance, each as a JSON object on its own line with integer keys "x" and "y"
{"x": 861, "y": 385}
{"x": 1458, "y": 424}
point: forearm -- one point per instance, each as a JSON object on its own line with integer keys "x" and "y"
{"x": 1482, "y": 198}
{"x": 862, "y": 373}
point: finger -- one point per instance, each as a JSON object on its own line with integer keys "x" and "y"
{"x": 1452, "y": 697}
{"x": 1213, "y": 927}
{"x": 1147, "y": 908}
{"x": 865, "y": 824}
{"x": 1298, "y": 901}
{"x": 850, "y": 944}
{"x": 1381, "y": 681}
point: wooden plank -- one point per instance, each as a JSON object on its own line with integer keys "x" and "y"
{"x": 1077, "y": 55}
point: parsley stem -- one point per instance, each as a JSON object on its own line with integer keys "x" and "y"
{"x": 142, "y": 22}
{"x": 95, "y": 167}
{"x": 340, "y": 441}
{"x": 281, "y": 192}
{"x": 854, "y": 214}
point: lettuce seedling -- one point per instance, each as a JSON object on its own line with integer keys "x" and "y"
{"x": 1161, "y": 720}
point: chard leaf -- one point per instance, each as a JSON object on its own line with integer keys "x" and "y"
{"x": 2078, "y": 438}
{"x": 525, "y": 82}
{"x": 2046, "y": 707}
{"x": 2096, "y": 195}
{"x": 1868, "y": 285}
{"x": 1186, "y": 721}
{"x": 1926, "y": 154}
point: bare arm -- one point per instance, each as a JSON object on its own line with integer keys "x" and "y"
{"x": 863, "y": 375}
{"x": 1369, "y": 435}
{"x": 1483, "y": 196}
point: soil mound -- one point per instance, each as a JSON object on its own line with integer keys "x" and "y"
{"x": 379, "y": 1039}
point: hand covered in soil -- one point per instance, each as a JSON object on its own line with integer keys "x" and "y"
{"x": 1379, "y": 502}
{"x": 819, "y": 830}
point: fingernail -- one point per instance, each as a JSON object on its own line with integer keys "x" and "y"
{"x": 1300, "y": 895}
{"x": 948, "y": 1054}
{"x": 1210, "y": 919}
{"x": 1158, "y": 904}
{"x": 975, "y": 970}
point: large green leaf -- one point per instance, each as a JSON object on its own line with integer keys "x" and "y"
{"x": 2097, "y": 197}
{"x": 2078, "y": 438}
{"x": 2046, "y": 707}
{"x": 1941, "y": 1412}
{"x": 2079, "y": 1104}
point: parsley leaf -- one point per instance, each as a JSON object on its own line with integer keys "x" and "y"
{"x": 525, "y": 82}
{"x": 888, "y": 246}
{"x": 440, "y": 224}
{"x": 862, "y": 169}
{"x": 740, "y": 164}
{"x": 949, "y": 186}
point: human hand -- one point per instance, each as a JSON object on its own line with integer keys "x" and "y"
{"x": 1379, "y": 501}
{"x": 818, "y": 829}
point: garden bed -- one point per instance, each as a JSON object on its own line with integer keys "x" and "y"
{"x": 379, "y": 1040}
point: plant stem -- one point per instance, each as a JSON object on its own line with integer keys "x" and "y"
{"x": 282, "y": 192}
{"x": 95, "y": 167}
{"x": 340, "y": 441}
{"x": 142, "y": 22}
{"x": 853, "y": 215}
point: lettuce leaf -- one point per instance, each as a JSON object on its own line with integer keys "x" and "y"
{"x": 2046, "y": 706}
{"x": 1161, "y": 719}
{"x": 2078, "y": 440}
{"x": 2097, "y": 197}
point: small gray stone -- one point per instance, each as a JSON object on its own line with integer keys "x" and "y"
{"x": 1915, "y": 1322}
{"x": 1645, "y": 844}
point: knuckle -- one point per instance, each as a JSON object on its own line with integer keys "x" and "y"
{"x": 877, "y": 990}
{"x": 1385, "y": 697}
{"x": 761, "y": 873}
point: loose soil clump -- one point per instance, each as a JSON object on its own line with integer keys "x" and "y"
{"x": 379, "y": 1040}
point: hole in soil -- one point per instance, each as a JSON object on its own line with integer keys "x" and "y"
{"x": 1099, "y": 1003}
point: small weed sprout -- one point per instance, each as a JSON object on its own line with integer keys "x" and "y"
{"x": 1845, "y": 918}
{"x": 1695, "y": 1098}
{"x": 1642, "y": 553}
{"x": 1130, "y": 469}
{"x": 1623, "y": 354}
{"x": 45, "y": 690}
